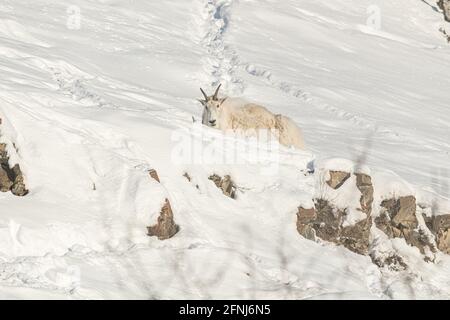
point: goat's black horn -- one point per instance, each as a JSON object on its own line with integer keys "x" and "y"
{"x": 216, "y": 93}
{"x": 204, "y": 94}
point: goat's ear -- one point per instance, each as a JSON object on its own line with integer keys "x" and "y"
{"x": 223, "y": 100}
{"x": 203, "y": 102}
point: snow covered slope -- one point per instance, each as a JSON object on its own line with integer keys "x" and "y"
{"x": 93, "y": 94}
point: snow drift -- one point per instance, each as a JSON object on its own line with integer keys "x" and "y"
{"x": 94, "y": 98}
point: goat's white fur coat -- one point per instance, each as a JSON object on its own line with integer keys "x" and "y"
{"x": 236, "y": 114}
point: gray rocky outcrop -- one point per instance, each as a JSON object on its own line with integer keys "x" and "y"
{"x": 396, "y": 217}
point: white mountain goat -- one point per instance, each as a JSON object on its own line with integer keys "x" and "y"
{"x": 237, "y": 115}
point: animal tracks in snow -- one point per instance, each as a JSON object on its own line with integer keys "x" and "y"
{"x": 267, "y": 76}
{"x": 223, "y": 64}
{"x": 222, "y": 61}
{"x": 296, "y": 92}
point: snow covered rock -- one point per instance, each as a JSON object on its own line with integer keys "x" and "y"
{"x": 330, "y": 221}
{"x": 342, "y": 214}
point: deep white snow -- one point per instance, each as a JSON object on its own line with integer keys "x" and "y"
{"x": 95, "y": 93}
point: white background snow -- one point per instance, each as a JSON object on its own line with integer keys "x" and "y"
{"x": 92, "y": 92}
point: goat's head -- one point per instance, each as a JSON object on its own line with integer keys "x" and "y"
{"x": 212, "y": 107}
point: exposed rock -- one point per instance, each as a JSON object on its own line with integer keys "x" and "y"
{"x": 321, "y": 219}
{"x": 443, "y": 241}
{"x": 166, "y": 227}
{"x": 306, "y": 231}
{"x": 441, "y": 222}
{"x": 402, "y": 212}
{"x": 10, "y": 179}
{"x": 225, "y": 184}
{"x": 325, "y": 222}
{"x": 3, "y": 154}
{"x": 187, "y": 176}
{"x": 445, "y": 7}
{"x": 216, "y": 179}
{"x": 337, "y": 179}
{"x": 364, "y": 185}
{"x": 392, "y": 261}
{"x": 439, "y": 226}
{"x": 304, "y": 217}
{"x": 153, "y": 174}
{"x": 5, "y": 181}
{"x": 399, "y": 221}
{"x": 18, "y": 188}
{"x": 356, "y": 237}
{"x": 383, "y": 222}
